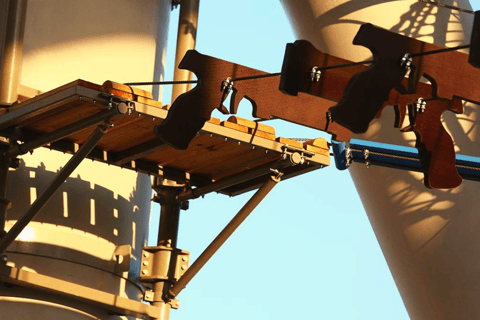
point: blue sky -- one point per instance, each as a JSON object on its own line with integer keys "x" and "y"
{"x": 308, "y": 250}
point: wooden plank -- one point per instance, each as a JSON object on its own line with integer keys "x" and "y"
{"x": 252, "y": 124}
{"x": 78, "y": 82}
{"x": 214, "y": 120}
{"x": 318, "y": 145}
{"x": 174, "y": 156}
{"x": 290, "y": 142}
{"x": 107, "y": 85}
{"x": 139, "y": 151}
{"x": 234, "y": 126}
{"x": 242, "y": 128}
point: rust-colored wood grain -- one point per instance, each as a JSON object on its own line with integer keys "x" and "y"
{"x": 435, "y": 144}
{"x": 191, "y": 110}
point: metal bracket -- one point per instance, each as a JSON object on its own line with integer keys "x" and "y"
{"x": 315, "y": 74}
{"x": 348, "y": 157}
{"x": 163, "y": 263}
{"x": 406, "y": 61}
{"x": 128, "y": 105}
{"x": 227, "y": 85}
{"x": 122, "y": 255}
{"x": 366, "y": 153}
{"x": 420, "y": 105}
{"x": 297, "y": 155}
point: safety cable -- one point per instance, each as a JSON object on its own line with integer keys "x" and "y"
{"x": 257, "y": 77}
{"x": 439, "y": 4}
{"x": 159, "y": 83}
{"x": 439, "y": 51}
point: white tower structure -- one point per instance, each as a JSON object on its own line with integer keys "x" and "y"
{"x": 430, "y": 238}
{"x": 92, "y": 231}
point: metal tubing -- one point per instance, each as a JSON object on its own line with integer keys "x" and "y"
{"x": 4, "y": 165}
{"x": 61, "y": 176}
{"x": 12, "y": 52}
{"x": 224, "y": 235}
{"x": 169, "y": 217}
{"x": 167, "y": 236}
{"x": 186, "y": 37}
{"x": 238, "y": 178}
{"x": 60, "y": 133}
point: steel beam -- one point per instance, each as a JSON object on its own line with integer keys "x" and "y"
{"x": 142, "y": 150}
{"x": 60, "y": 133}
{"x": 223, "y": 236}
{"x": 61, "y": 176}
{"x": 288, "y": 160}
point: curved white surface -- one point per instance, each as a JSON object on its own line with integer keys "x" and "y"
{"x": 430, "y": 238}
{"x": 99, "y": 207}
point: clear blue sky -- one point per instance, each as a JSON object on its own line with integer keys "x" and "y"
{"x": 308, "y": 251}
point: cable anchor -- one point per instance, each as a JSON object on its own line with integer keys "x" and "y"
{"x": 227, "y": 85}
{"x": 348, "y": 157}
{"x": 406, "y": 61}
{"x": 315, "y": 74}
{"x": 366, "y": 153}
{"x": 420, "y": 105}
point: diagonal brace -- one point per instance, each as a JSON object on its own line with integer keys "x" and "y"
{"x": 224, "y": 235}
{"x": 62, "y": 175}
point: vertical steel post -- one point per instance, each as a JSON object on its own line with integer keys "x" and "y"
{"x": 167, "y": 237}
{"x": 11, "y": 58}
{"x": 186, "y": 37}
{"x": 4, "y": 203}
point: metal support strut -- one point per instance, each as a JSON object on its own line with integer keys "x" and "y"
{"x": 62, "y": 175}
{"x": 223, "y": 235}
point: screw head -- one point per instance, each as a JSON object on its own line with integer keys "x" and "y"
{"x": 145, "y": 263}
{"x": 145, "y": 254}
{"x": 144, "y": 271}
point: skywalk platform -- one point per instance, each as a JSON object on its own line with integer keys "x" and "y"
{"x": 237, "y": 150}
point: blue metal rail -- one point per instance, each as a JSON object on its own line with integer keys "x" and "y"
{"x": 394, "y": 156}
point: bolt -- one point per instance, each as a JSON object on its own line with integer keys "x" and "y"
{"x": 145, "y": 263}
{"x": 184, "y": 268}
{"x": 144, "y": 271}
{"x": 145, "y": 254}
{"x": 184, "y": 259}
